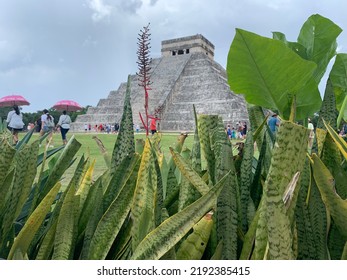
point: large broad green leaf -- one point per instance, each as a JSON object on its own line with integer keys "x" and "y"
{"x": 269, "y": 74}
{"x": 338, "y": 77}
{"x": 318, "y": 35}
{"x": 296, "y": 47}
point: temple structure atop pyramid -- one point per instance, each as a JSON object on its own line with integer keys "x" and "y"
{"x": 185, "y": 75}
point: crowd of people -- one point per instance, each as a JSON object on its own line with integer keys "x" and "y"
{"x": 237, "y": 132}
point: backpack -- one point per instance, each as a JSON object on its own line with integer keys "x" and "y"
{"x": 50, "y": 122}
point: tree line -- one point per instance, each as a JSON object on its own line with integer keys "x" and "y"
{"x": 32, "y": 117}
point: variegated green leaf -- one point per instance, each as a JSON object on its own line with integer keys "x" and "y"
{"x": 334, "y": 203}
{"x": 33, "y": 223}
{"x": 341, "y": 144}
{"x": 206, "y": 123}
{"x": 113, "y": 219}
{"x": 189, "y": 173}
{"x": 246, "y": 179}
{"x": 125, "y": 143}
{"x": 84, "y": 187}
{"x": 66, "y": 227}
{"x": 167, "y": 234}
{"x": 227, "y": 216}
{"x": 288, "y": 159}
{"x": 47, "y": 245}
{"x": 62, "y": 164}
{"x": 194, "y": 246}
{"x": 328, "y": 111}
{"x": 7, "y": 154}
{"x": 195, "y": 156}
{"x": 144, "y": 200}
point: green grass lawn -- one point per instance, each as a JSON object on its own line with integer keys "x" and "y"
{"x": 90, "y": 148}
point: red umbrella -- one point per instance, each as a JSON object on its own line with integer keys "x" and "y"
{"x": 67, "y": 105}
{"x": 11, "y": 100}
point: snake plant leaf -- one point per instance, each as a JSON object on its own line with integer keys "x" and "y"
{"x": 91, "y": 215}
{"x": 62, "y": 164}
{"x": 194, "y": 246}
{"x": 268, "y": 73}
{"x": 248, "y": 242}
{"x": 25, "y": 171}
{"x": 144, "y": 202}
{"x": 206, "y": 124}
{"x": 288, "y": 149}
{"x": 307, "y": 232}
{"x": 195, "y": 155}
{"x": 7, "y": 155}
{"x": 125, "y": 143}
{"x": 334, "y": 203}
{"x": 119, "y": 177}
{"x": 338, "y": 77}
{"x": 341, "y": 144}
{"x": 84, "y": 188}
{"x": 189, "y": 173}
{"x": 332, "y": 158}
{"x": 227, "y": 215}
{"x": 67, "y": 226}
{"x": 5, "y": 189}
{"x": 111, "y": 222}
{"x": 47, "y": 245}
{"x": 328, "y": 111}
{"x": 167, "y": 234}
{"x": 318, "y": 35}
{"x": 246, "y": 179}
{"x": 34, "y": 222}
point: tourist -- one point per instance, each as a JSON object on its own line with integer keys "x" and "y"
{"x": 116, "y": 127}
{"x": 153, "y": 126}
{"x": 89, "y": 128}
{"x": 64, "y": 125}
{"x": 274, "y": 123}
{"x": 15, "y": 122}
{"x": 311, "y": 135}
{"x": 229, "y": 131}
{"x": 137, "y": 128}
{"x": 47, "y": 125}
{"x": 85, "y": 127}
{"x": 244, "y": 130}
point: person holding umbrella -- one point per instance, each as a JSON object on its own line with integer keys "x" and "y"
{"x": 64, "y": 124}
{"x": 15, "y": 122}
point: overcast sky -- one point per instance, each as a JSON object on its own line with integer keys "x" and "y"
{"x": 82, "y": 49}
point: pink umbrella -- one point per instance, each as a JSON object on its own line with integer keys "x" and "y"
{"x": 11, "y": 100}
{"x": 67, "y": 105}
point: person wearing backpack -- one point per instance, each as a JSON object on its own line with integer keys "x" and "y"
{"x": 47, "y": 125}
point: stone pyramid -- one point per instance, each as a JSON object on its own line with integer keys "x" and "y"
{"x": 185, "y": 75}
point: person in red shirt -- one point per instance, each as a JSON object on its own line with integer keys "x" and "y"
{"x": 153, "y": 126}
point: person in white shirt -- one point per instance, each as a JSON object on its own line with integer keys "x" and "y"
{"x": 15, "y": 122}
{"x": 311, "y": 135}
{"x": 64, "y": 124}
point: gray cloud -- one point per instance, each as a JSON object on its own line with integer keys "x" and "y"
{"x": 83, "y": 49}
